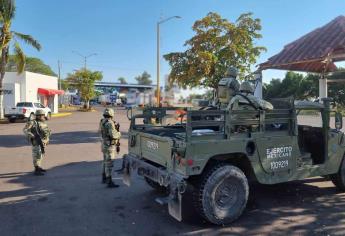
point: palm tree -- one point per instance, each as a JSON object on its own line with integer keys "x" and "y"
{"x": 9, "y": 40}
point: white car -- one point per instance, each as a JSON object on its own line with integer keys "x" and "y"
{"x": 26, "y": 110}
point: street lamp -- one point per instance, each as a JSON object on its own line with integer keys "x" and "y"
{"x": 158, "y": 55}
{"x": 85, "y": 57}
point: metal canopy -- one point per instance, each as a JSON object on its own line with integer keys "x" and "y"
{"x": 314, "y": 52}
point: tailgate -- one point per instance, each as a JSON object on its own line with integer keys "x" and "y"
{"x": 156, "y": 148}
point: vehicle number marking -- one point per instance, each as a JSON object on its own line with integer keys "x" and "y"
{"x": 152, "y": 145}
{"x": 279, "y": 164}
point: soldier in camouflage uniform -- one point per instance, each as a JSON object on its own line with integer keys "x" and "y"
{"x": 245, "y": 100}
{"x": 228, "y": 87}
{"x": 38, "y": 135}
{"x": 110, "y": 141}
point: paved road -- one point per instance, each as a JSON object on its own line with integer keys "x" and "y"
{"x": 70, "y": 200}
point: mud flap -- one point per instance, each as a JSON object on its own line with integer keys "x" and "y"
{"x": 175, "y": 206}
{"x": 126, "y": 176}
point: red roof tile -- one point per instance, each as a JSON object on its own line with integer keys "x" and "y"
{"x": 309, "y": 52}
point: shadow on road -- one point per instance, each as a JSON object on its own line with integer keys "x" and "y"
{"x": 73, "y": 137}
{"x": 70, "y": 200}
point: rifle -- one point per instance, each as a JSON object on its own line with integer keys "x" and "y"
{"x": 38, "y": 137}
{"x": 117, "y": 127}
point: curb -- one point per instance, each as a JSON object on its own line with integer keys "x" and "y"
{"x": 61, "y": 114}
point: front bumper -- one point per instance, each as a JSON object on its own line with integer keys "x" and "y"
{"x": 175, "y": 182}
{"x": 15, "y": 116}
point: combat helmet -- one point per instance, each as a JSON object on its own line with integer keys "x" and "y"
{"x": 40, "y": 112}
{"x": 108, "y": 112}
{"x": 231, "y": 72}
{"x": 246, "y": 87}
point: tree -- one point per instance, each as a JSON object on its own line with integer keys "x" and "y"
{"x": 9, "y": 39}
{"x": 144, "y": 79}
{"x": 32, "y": 64}
{"x": 84, "y": 81}
{"x": 216, "y": 45}
{"x": 122, "y": 80}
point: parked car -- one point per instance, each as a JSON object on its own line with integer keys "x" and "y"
{"x": 26, "y": 110}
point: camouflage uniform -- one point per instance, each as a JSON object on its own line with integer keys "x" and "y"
{"x": 44, "y": 133}
{"x": 110, "y": 138}
{"x": 246, "y": 101}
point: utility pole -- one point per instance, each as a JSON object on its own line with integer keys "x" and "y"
{"x": 85, "y": 57}
{"x": 158, "y": 56}
{"x": 59, "y": 74}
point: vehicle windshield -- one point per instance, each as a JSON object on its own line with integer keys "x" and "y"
{"x": 24, "y": 104}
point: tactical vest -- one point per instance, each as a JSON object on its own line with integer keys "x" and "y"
{"x": 104, "y": 133}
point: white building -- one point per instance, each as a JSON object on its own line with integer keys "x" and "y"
{"x": 31, "y": 87}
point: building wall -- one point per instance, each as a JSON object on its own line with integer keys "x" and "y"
{"x": 35, "y": 81}
{"x": 27, "y": 84}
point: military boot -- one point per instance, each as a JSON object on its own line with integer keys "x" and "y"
{"x": 111, "y": 184}
{"x": 104, "y": 178}
{"x": 37, "y": 171}
{"x": 41, "y": 169}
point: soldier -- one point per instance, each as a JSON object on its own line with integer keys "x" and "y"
{"x": 38, "y": 135}
{"x": 245, "y": 100}
{"x": 227, "y": 87}
{"x": 110, "y": 141}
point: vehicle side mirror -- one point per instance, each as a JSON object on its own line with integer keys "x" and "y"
{"x": 338, "y": 120}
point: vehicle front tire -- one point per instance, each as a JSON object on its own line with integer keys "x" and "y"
{"x": 157, "y": 187}
{"x": 338, "y": 179}
{"x": 221, "y": 195}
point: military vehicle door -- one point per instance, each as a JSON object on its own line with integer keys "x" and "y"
{"x": 277, "y": 142}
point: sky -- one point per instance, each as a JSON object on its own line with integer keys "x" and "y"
{"x": 123, "y": 32}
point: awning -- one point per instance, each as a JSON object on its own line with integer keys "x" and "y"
{"x": 49, "y": 92}
{"x": 314, "y": 52}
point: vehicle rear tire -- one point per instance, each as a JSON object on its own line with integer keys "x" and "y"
{"x": 12, "y": 120}
{"x": 338, "y": 179}
{"x": 156, "y": 186}
{"x": 49, "y": 116}
{"x": 221, "y": 195}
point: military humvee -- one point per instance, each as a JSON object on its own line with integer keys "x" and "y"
{"x": 220, "y": 152}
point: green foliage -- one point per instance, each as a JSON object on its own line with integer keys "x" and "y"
{"x": 304, "y": 87}
{"x": 9, "y": 40}
{"x": 144, "y": 79}
{"x": 64, "y": 84}
{"x": 84, "y": 81}
{"x": 32, "y": 64}
{"x": 122, "y": 80}
{"x": 216, "y": 45}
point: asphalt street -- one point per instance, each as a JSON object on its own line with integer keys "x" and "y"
{"x": 70, "y": 199}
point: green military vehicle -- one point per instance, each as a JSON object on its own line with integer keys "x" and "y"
{"x": 219, "y": 152}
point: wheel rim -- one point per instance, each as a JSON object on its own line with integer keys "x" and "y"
{"x": 226, "y": 193}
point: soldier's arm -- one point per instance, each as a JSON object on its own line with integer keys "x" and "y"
{"x": 27, "y": 129}
{"x": 113, "y": 134}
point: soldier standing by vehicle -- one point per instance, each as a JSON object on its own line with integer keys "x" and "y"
{"x": 110, "y": 141}
{"x": 38, "y": 134}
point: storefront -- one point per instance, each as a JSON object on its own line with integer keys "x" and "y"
{"x": 31, "y": 87}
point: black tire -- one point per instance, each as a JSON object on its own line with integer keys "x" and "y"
{"x": 12, "y": 120}
{"x": 156, "y": 186}
{"x": 221, "y": 194}
{"x": 338, "y": 179}
{"x": 49, "y": 116}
